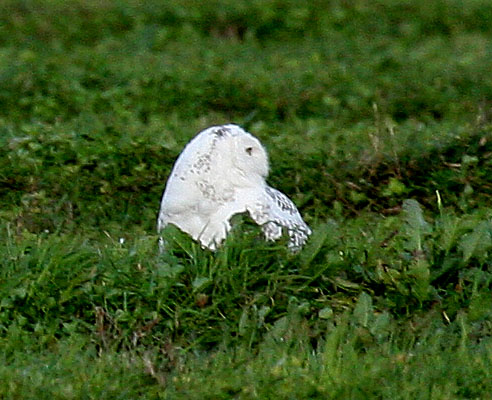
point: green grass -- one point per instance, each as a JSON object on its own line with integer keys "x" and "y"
{"x": 378, "y": 122}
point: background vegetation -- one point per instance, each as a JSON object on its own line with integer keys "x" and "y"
{"x": 378, "y": 119}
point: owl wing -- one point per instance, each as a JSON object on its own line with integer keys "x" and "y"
{"x": 274, "y": 211}
{"x": 200, "y": 197}
{"x": 207, "y": 220}
{"x": 192, "y": 185}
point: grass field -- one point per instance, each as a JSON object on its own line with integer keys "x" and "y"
{"x": 377, "y": 116}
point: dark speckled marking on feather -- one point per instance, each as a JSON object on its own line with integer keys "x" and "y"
{"x": 281, "y": 201}
{"x": 221, "y": 131}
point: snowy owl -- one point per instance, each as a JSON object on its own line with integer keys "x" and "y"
{"x": 221, "y": 172}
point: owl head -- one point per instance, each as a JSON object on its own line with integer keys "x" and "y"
{"x": 248, "y": 155}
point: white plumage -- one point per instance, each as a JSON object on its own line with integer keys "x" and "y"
{"x": 221, "y": 172}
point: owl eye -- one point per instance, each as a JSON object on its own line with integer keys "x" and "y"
{"x": 249, "y": 150}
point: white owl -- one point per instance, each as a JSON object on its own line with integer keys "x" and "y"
{"x": 221, "y": 172}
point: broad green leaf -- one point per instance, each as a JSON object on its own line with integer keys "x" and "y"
{"x": 419, "y": 271}
{"x": 478, "y": 242}
{"x": 199, "y": 282}
{"x": 363, "y": 310}
{"x": 325, "y": 313}
{"x": 416, "y": 228}
{"x": 321, "y": 235}
{"x": 448, "y": 230}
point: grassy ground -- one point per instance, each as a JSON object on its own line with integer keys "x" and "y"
{"x": 377, "y": 117}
